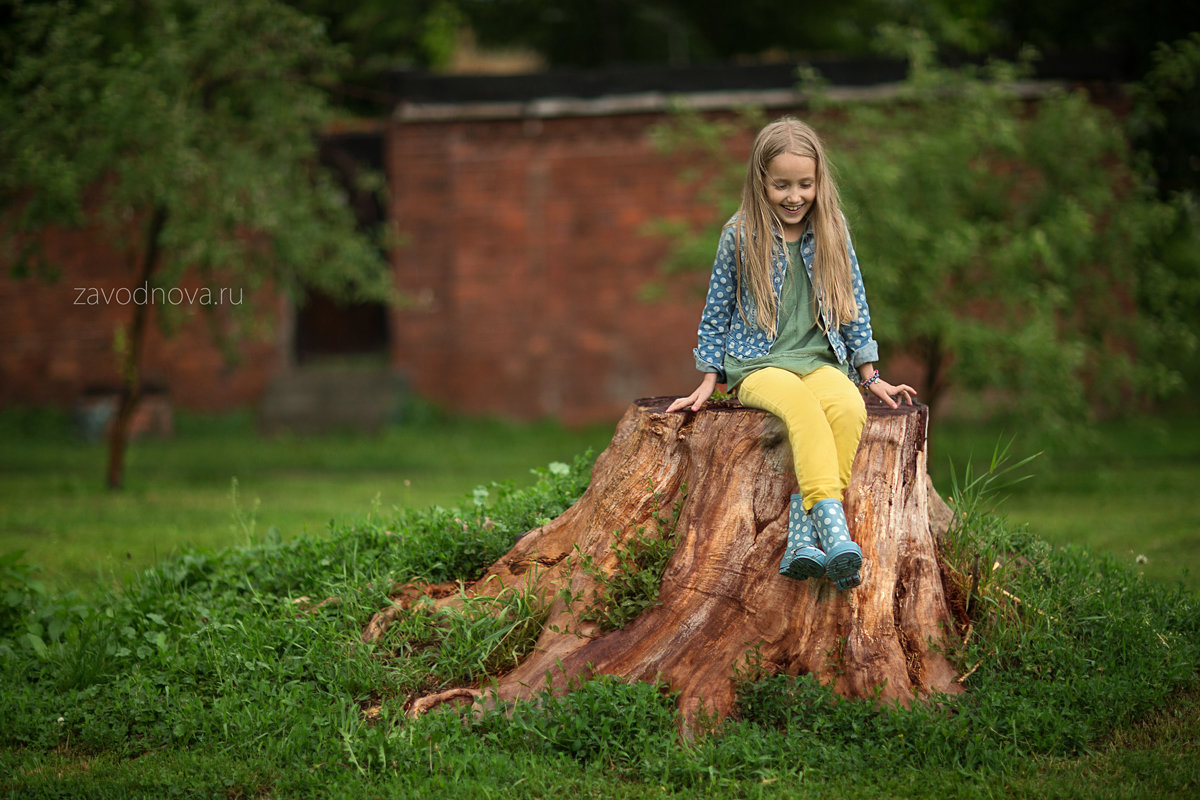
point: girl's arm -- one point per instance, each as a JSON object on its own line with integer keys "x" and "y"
{"x": 714, "y": 323}
{"x": 869, "y": 377}
{"x": 857, "y": 332}
{"x": 719, "y": 304}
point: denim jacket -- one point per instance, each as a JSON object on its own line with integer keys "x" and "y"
{"x": 722, "y": 329}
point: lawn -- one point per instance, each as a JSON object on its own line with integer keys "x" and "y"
{"x": 1124, "y": 488}
{"x": 1128, "y": 491}
{"x": 198, "y": 677}
{"x": 216, "y": 483}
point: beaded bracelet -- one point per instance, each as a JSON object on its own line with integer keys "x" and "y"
{"x": 870, "y": 380}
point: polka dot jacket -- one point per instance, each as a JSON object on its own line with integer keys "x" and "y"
{"x": 722, "y": 329}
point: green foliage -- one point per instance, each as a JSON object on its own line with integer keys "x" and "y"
{"x": 228, "y": 646}
{"x": 178, "y": 489}
{"x": 627, "y": 726}
{"x": 1060, "y": 646}
{"x": 1011, "y": 248}
{"x": 1008, "y": 244}
{"x": 1165, "y": 121}
{"x": 379, "y": 37}
{"x": 32, "y": 621}
{"x": 585, "y": 32}
{"x": 200, "y": 117}
{"x": 434, "y": 649}
{"x": 1081, "y": 495}
{"x": 452, "y": 545}
{"x": 1165, "y": 125}
{"x": 975, "y": 536}
{"x": 183, "y": 135}
{"x": 632, "y": 587}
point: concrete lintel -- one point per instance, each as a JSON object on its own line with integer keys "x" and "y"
{"x": 658, "y": 102}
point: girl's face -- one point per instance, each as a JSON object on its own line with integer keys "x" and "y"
{"x": 791, "y": 182}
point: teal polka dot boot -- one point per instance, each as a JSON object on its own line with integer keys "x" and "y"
{"x": 842, "y": 556}
{"x": 802, "y": 559}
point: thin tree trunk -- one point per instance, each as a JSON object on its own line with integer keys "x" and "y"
{"x": 935, "y": 365}
{"x": 131, "y": 363}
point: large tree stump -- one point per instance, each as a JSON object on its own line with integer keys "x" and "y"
{"x": 721, "y": 595}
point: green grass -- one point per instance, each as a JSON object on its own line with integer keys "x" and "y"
{"x": 216, "y": 484}
{"x": 1128, "y": 490}
{"x": 200, "y": 677}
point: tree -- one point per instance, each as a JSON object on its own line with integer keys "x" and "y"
{"x": 1166, "y": 116}
{"x": 1004, "y": 245}
{"x": 1165, "y": 124}
{"x": 590, "y": 33}
{"x": 185, "y": 133}
{"x": 380, "y": 36}
{"x": 606, "y": 32}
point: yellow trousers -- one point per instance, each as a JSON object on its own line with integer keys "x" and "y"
{"x": 824, "y": 415}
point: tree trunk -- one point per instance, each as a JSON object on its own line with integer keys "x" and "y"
{"x": 721, "y": 596}
{"x": 131, "y": 359}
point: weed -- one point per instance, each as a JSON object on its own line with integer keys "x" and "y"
{"x": 618, "y": 723}
{"x": 835, "y": 657}
{"x": 434, "y": 648}
{"x": 1062, "y": 646}
{"x": 632, "y": 587}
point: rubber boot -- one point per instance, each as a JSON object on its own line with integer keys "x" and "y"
{"x": 842, "y": 556}
{"x": 802, "y": 559}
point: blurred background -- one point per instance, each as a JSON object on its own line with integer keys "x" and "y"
{"x": 271, "y": 264}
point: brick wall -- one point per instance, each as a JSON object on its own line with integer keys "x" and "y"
{"x": 57, "y": 344}
{"x": 525, "y": 254}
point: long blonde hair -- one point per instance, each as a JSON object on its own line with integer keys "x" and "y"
{"x": 833, "y": 290}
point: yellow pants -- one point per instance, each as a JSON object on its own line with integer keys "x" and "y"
{"x": 824, "y": 415}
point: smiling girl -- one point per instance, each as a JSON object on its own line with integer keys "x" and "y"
{"x": 786, "y": 325}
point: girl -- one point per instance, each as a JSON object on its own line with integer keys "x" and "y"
{"x": 785, "y": 324}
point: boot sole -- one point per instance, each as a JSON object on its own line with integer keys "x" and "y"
{"x": 842, "y": 565}
{"x": 803, "y": 567}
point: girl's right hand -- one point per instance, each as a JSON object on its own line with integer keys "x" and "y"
{"x": 697, "y": 398}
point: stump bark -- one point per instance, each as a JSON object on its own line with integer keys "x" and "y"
{"x": 721, "y": 595}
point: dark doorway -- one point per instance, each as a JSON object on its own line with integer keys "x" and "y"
{"x": 325, "y": 327}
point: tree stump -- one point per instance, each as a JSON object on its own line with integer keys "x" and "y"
{"x": 721, "y": 594}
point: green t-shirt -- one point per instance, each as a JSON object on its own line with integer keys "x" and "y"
{"x": 800, "y": 346}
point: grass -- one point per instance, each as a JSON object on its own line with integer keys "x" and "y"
{"x": 1127, "y": 490}
{"x": 217, "y": 484}
{"x": 203, "y": 678}
{"x": 200, "y": 677}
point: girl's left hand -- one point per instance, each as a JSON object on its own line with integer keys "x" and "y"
{"x": 887, "y": 392}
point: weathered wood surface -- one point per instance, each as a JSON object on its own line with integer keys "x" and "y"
{"x": 722, "y": 594}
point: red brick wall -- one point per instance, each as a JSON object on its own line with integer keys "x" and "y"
{"x": 525, "y": 253}
{"x": 55, "y": 345}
